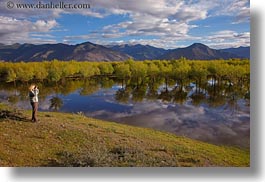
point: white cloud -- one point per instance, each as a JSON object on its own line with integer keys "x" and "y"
{"x": 13, "y": 30}
{"x": 147, "y": 26}
{"x": 227, "y": 39}
{"x": 190, "y": 12}
{"x": 168, "y": 22}
{"x": 202, "y": 123}
{"x": 42, "y": 35}
{"x": 161, "y": 19}
{"x": 43, "y": 26}
{"x": 238, "y": 9}
{"x": 161, "y": 23}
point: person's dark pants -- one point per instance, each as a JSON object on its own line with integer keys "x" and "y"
{"x": 34, "y": 106}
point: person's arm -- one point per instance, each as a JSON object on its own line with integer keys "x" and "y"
{"x": 36, "y": 91}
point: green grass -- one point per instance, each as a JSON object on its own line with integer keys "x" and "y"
{"x": 61, "y": 139}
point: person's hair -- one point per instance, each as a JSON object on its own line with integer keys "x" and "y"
{"x": 31, "y": 87}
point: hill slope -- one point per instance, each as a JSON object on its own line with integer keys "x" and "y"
{"x": 61, "y": 139}
{"x": 93, "y": 52}
{"x": 81, "y": 52}
{"x": 243, "y": 52}
{"x": 197, "y": 51}
{"x": 139, "y": 52}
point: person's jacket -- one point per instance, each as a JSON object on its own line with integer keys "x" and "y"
{"x": 33, "y": 95}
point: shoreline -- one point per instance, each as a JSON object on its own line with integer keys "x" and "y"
{"x": 75, "y": 140}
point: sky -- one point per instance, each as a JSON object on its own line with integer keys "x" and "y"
{"x": 161, "y": 23}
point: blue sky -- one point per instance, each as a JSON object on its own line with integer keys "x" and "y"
{"x": 160, "y": 23}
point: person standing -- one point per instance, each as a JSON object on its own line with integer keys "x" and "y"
{"x": 33, "y": 96}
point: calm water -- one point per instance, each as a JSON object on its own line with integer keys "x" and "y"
{"x": 221, "y": 119}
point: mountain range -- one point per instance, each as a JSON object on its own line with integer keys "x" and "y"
{"x": 139, "y": 52}
{"x": 242, "y": 51}
{"x": 88, "y": 51}
{"x": 200, "y": 52}
{"x": 81, "y": 52}
{"x": 196, "y": 51}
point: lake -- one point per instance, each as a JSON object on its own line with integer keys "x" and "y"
{"x": 218, "y": 115}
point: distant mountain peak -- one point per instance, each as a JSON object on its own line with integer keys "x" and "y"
{"x": 198, "y": 51}
{"x": 243, "y": 52}
{"x": 86, "y": 51}
{"x": 198, "y": 45}
{"x": 139, "y": 51}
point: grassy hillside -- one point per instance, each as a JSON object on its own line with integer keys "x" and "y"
{"x": 61, "y": 139}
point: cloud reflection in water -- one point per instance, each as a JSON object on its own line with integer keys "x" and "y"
{"x": 215, "y": 125}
